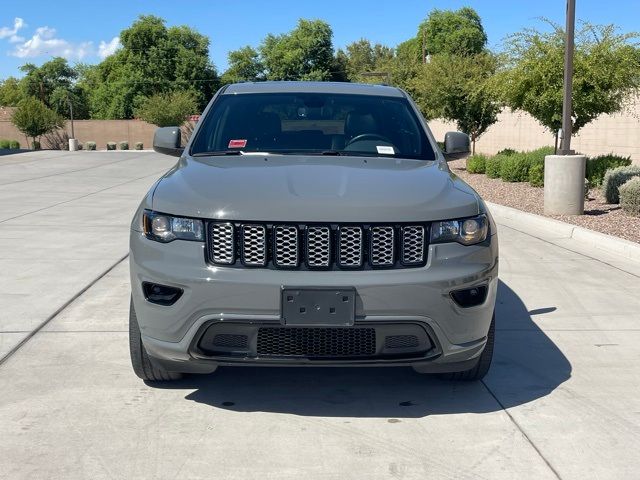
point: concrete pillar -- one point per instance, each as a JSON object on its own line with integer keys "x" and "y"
{"x": 73, "y": 144}
{"x": 564, "y": 184}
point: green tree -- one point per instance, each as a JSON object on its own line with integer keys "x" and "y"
{"x": 34, "y": 119}
{"x": 606, "y": 74}
{"x": 305, "y": 53}
{"x": 459, "y": 88}
{"x": 10, "y": 92}
{"x": 451, "y": 32}
{"x": 244, "y": 66}
{"x": 168, "y": 109}
{"x": 54, "y": 84}
{"x": 153, "y": 59}
{"x": 362, "y": 57}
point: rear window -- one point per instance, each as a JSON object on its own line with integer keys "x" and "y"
{"x": 303, "y": 123}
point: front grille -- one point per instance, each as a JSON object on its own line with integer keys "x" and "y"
{"x": 299, "y": 246}
{"x": 316, "y": 342}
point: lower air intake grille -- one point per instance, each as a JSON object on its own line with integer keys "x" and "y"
{"x": 401, "y": 341}
{"x": 229, "y": 340}
{"x": 316, "y": 342}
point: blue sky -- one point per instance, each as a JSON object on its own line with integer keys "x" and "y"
{"x": 86, "y": 30}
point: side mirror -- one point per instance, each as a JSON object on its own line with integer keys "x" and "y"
{"x": 166, "y": 140}
{"x": 456, "y": 144}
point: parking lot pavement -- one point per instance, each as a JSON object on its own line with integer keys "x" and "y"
{"x": 562, "y": 399}
{"x": 64, "y": 219}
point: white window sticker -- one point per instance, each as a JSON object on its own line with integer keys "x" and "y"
{"x": 385, "y": 149}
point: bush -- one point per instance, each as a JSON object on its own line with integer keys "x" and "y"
{"x": 14, "y": 145}
{"x": 90, "y": 145}
{"x": 476, "y": 163}
{"x": 537, "y": 155}
{"x": 615, "y": 178}
{"x": 630, "y": 196}
{"x": 168, "y": 109}
{"x": 111, "y": 145}
{"x": 597, "y": 167}
{"x": 80, "y": 146}
{"x": 506, "y": 152}
{"x": 536, "y": 175}
{"x": 492, "y": 166}
{"x": 515, "y": 168}
{"x": 5, "y": 144}
{"x": 123, "y": 145}
{"x": 139, "y": 146}
{"x": 35, "y": 145}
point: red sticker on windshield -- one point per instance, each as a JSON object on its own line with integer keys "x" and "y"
{"x": 237, "y": 143}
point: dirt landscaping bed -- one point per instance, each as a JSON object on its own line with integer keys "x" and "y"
{"x": 599, "y": 215}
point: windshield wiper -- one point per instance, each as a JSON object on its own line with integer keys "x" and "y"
{"x": 218, "y": 153}
{"x": 332, "y": 152}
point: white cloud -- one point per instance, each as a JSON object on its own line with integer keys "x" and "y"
{"x": 109, "y": 48}
{"x": 45, "y": 42}
{"x": 18, "y": 24}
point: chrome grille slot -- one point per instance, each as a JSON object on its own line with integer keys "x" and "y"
{"x": 350, "y": 246}
{"x": 382, "y": 252}
{"x": 286, "y": 250}
{"x": 413, "y": 244}
{"x": 254, "y": 245}
{"x": 222, "y": 243}
{"x": 318, "y": 246}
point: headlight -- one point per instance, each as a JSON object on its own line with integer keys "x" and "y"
{"x": 467, "y": 231}
{"x": 165, "y": 228}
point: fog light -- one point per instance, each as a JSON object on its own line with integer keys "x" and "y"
{"x": 470, "y": 297}
{"x": 161, "y": 294}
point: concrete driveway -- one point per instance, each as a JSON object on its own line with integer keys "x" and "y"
{"x": 562, "y": 399}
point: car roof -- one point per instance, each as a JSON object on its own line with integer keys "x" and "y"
{"x": 314, "y": 87}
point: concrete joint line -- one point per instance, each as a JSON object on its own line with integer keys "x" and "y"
{"x": 61, "y": 309}
{"x": 524, "y": 434}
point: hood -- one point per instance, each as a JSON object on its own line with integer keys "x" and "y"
{"x": 287, "y": 188}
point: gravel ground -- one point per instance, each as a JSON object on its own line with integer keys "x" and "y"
{"x": 598, "y": 215}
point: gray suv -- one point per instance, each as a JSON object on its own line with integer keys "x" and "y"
{"x": 311, "y": 224}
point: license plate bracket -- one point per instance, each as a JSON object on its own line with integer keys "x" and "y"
{"x": 318, "y": 306}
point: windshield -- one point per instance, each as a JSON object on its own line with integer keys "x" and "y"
{"x": 318, "y": 123}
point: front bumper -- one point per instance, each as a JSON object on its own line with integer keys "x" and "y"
{"x": 245, "y": 300}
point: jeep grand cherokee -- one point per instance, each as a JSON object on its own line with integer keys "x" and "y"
{"x": 311, "y": 224}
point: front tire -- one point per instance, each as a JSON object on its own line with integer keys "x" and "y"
{"x": 140, "y": 361}
{"x": 481, "y": 368}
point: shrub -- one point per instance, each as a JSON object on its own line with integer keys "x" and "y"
{"x": 506, "y": 152}
{"x": 90, "y": 145}
{"x": 80, "y": 146}
{"x": 123, "y": 145}
{"x": 441, "y": 146}
{"x": 14, "y": 145}
{"x": 615, "y": 178}
{"x": 111, "y": 145}
{"x": 139, "y": 146}
{"x": 537, "y": 155}
{"x": 630, "y": 196}
{"x": 536, "y": 175}
{"x": 168, "y": 109}
{"x": 35, "y": 145}
{"x": 515, "y": 168}
{"x": 476, "y": 163}
{"x": 597, "y": 167}
{"x": 492, "y": 166}
{"x": 5, "y": 144}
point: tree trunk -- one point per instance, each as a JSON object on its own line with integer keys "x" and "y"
{"x": 555, "y": 146}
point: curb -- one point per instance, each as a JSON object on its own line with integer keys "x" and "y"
{"x": 536, "y": 224}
